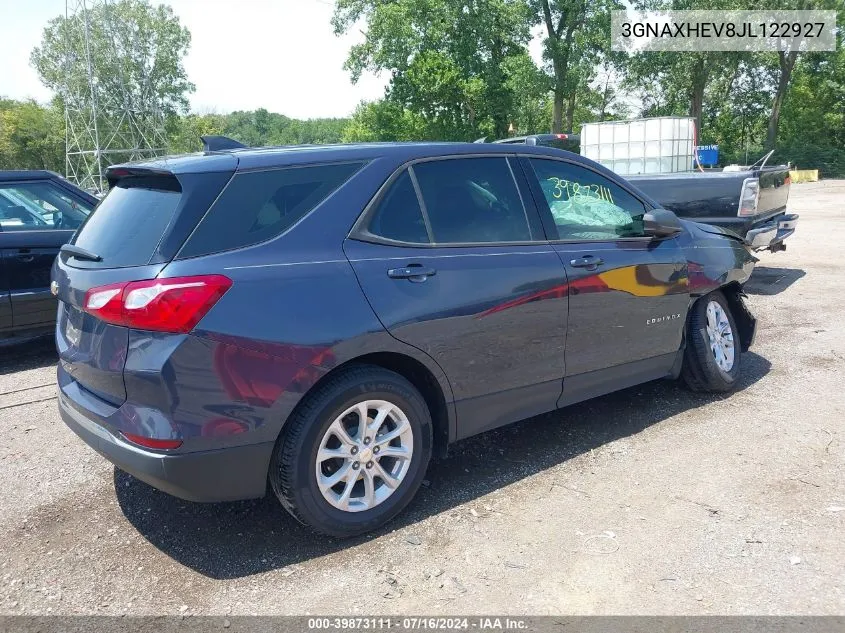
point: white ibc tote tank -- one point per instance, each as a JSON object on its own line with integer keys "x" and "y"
{"x": 660, "y": 145}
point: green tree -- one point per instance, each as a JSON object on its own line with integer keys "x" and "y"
{"x": 260, "y": 127}
{"x": 812, "y": 129}
{"x": 385, "y": 120}
{"x": 118, "y": 65}
{"x": 31, "y": 136}
{"x": 786, "y": 61}
{"x": 136, "y": 51}
{"x": 675, "y": 83}
{"x": 531, "y": 89}
{"x": 736, "y": 110}
{"x": 446, "y": 58}
{"x": 184, "y": 132}
{"x": 256, "y": 129}
{"x": 577, "y": 38}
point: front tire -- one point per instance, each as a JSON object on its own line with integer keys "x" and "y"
{"x": 354, "y": 453}
{"x": 713, "y": 352}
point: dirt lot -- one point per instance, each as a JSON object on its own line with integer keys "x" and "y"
{"x": 650, "y": 501}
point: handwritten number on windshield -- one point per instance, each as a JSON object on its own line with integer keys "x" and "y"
{"x": 566, "y": 189}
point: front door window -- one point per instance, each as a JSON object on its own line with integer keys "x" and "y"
{"x": 585, "y": 205}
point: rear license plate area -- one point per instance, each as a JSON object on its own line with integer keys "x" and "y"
{"x": 73, "y": 325}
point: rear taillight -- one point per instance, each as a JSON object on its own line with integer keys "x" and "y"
{"x": 748, "y": 197}
{"x": 562, "y": 136}
{"x": 149, "y": 442}
{"x": 175, "y": 304}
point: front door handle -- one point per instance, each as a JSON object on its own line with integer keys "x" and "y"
{"x": 589, "y": 262}
{"x": 413, "y": 272}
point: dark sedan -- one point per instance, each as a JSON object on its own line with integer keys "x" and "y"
{"x": 39, "y": 212}
{"x": 326, "y": 318}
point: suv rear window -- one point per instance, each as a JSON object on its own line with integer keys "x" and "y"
{"x": 259, "y": 205}
{"x": 128, "y": 224}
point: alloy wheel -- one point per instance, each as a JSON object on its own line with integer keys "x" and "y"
{"x": 720, "y": 336}
{"x": 364, "y": 455}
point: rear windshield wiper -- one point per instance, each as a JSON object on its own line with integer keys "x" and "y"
{"x": 80, "y": 253}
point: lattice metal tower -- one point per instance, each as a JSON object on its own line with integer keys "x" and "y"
{"x": 112, "y": 114}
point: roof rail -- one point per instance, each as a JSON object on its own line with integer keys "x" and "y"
{"x": 220, "y": 143}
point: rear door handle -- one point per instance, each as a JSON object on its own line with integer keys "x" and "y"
{"x": 413, "y": 272}
{"x": 25, "y": 256}
{"x": 589, "y": 262}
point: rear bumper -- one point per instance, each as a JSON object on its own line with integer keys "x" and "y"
{"x": 772, "y": 234}
{"x": 228, "y": 474}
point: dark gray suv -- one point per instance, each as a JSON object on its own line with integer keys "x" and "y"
{"x": 326, "y": 318}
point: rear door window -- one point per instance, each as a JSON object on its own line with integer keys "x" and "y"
{"x": 259, "y": 205}
{"x": 472, "y": 200}
{"x": 128, "y": 224}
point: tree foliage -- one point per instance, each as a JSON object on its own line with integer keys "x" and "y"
{"x": 576, "y": 42}
{"x": 446, "y": 58}
{"x": 256, "y": 129}
{"x": 812, "y": 129}
{"x": 459, "y": 70}
{"x": 736, "y": 98}
{"x": 385, "y": 120}
{"x": 135, "y": 51}
{"x": 31, "y": 136}
{"x": 116, "y": 68}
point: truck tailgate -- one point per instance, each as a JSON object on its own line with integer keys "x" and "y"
{"x": 713, "y": 197}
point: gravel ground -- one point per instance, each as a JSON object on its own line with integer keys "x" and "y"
{"x": 649, "y": 501}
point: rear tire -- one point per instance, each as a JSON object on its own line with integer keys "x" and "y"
{"x": 712, "y": 357}
{"x": 375, "y": 476}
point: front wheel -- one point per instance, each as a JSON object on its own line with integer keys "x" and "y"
{"x": 355, "y": 453}
{"x": 713, "y": 353}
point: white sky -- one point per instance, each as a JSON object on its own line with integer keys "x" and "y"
{"x": 281, "y": 55}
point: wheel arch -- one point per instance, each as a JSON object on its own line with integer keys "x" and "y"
{"x": 437, "y": 395}
{"x": 745, "y": 321}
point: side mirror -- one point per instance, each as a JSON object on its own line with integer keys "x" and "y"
{"x": 661, "y": 223}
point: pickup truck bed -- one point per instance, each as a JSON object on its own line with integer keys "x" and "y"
{"x": 713, "y": 197}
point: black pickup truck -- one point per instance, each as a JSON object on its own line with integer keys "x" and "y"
{"x": 750, "y": 202}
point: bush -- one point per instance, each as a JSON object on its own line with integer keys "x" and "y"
{"x": 830, "y": 161}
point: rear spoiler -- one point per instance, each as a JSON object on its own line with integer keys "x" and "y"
{"x": 117, "y": 172}
{"x": 160, "y": 167}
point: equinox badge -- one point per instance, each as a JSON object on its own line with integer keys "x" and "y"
{"x": 668, "y": 317}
